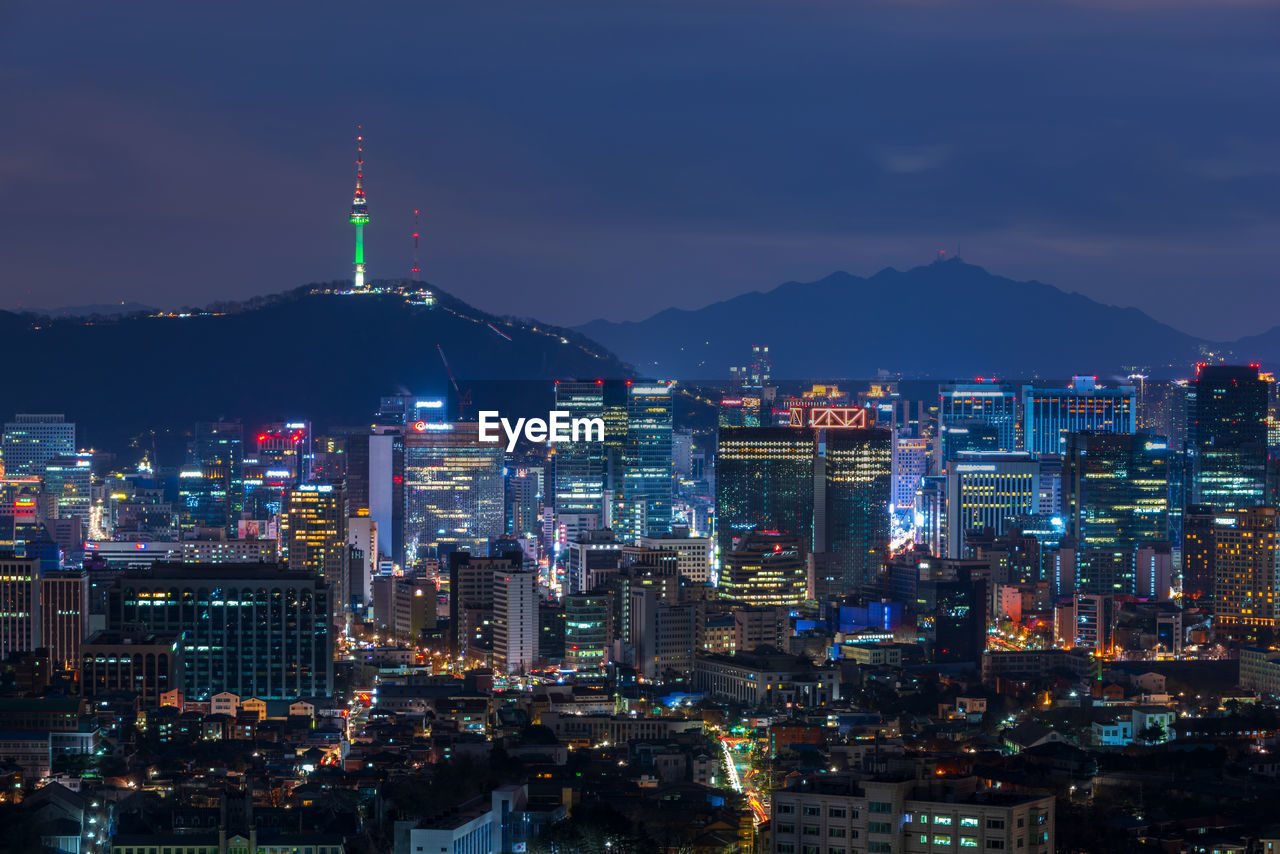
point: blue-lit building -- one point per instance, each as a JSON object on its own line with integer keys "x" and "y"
{"x": 977, "y": 416}
{"x": 579, "y": 466}
{"x": 1227, "y": 437}
{"x": 647, "y": 477}
{"x": 211, "y": 484}
{"x": 1116, "y": 497}
{"x": 1051, "y": 414}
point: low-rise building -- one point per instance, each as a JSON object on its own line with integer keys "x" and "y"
{"x": 842, "y": 813}
{"x": 766, "y": 676}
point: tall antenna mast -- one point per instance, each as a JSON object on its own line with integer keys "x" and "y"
{"x": 359, "y": 209}
{"x": 415, "y": 272}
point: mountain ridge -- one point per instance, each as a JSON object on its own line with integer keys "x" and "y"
{"x": 943, "y": 319}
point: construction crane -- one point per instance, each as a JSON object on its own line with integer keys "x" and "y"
{"x": 464, "y": 400}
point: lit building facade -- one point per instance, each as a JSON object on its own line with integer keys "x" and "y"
{"x": 1051, "y": 414}
{"x": 580, "y": 466}
{"x": 314, "y": 534}
{"x": 765, "y": 569}
{"x": 1228, "y": 437}
{"x": 963, "y": 407}
{"x": 211, "y": 484}
{"x": 986, "y": 490}
{"x": 1246, "y": 605}
{"x": 30, "y": 441}
{"x": 647, "y": 475}
{"x": 20, "y": 611}
{"x": 64, "y": 605}
{"x": 255, "y": 630}
{"x": 453, "y": 490}
{"x": 853, "y": 519}
{"x": 765, "y": 479}
{"x": 1116, "y": 498}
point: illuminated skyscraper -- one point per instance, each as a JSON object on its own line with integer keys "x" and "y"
{"x": 1198, "y": 555}
{"x": 453, "y": 490}
{"x": 987, "y": 491}
{"x": 580, "y": 466}
{"x": 1050, "y": 414}
{"x": 375, "y": 485}
{"x": 211, "y": 485}
{"x": 314, "y": 537}
{"x": 30, "y": 441}
{"x": 588, "y": 629}
{"x": 359, "y": 210}
{"x": 1246, "y": 603}
{"x": 1228, "y": 437}
{"x": 910, "y": 465}
{"x": 69, "y": 482}
{"x": 855, "y": 492}
{"x": 647, "y": 476}
{"x": 764, "y": 479}
{"x": 1116, "y": 499}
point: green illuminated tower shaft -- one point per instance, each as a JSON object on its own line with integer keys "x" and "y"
{"x": 359, "y": 210}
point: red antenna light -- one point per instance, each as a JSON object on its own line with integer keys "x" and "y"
{"x": 415, "y": 272}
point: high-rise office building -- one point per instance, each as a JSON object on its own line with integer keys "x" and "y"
{"x": 1228, "y": 437}
{"x": 30, "y": 441}
{"x": 764, "y": 479}
{"x": 758, "y": 373}
{"x": 1116, "y": 497}
{"x": 285, "y": 446}
{"x": 852, "y": 524}
{"x": 987, "y": 490}
{"x": 375, "y": 486}
{"x": 64, "y": 609}
{"x": 68, "y": 482}
{"x": 256, "y": 630}
{"x": 453, "y": 490}
{"x": 20, "y": 610}
{"x": 524, "y": 501}
{"x": 313, "y": 534}
{"x": 588, "y": 629}
{"x": 1162, "y": 409}
{"x": 765, "y": 569}
{"x": 910, "y": 465}
{"x": 693, "y": 553}
{"x": 1051, "y": 414}
{"x": 1198, "y": 551}
{"x": 647, "y": 476}
{"x": 951, "y": 614}
{"x": 964, "y": 409}
{"x": 1246, "y": 602}
{"x": 515, "y": 620}
{"x": 580, "y": 466}
{"x": 211, "y": 484}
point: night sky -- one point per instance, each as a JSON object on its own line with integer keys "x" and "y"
{"x": 575, "y": 160}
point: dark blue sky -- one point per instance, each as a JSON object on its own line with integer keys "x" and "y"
{"x": 582, "y": 159}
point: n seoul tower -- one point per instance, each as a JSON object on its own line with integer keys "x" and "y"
{"x": 359, "y": 209}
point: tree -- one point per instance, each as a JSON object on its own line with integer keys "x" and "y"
{"x": 1152, "y": 733}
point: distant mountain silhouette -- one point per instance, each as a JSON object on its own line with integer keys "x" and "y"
{"x": 101, "y": 309}
{"x": 303, "y": 354}
{"x": 946, "y": 319}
